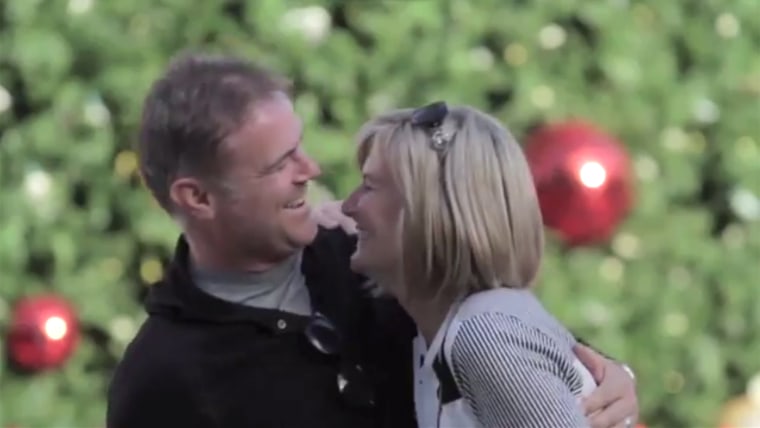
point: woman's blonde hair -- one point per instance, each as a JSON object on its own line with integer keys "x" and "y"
{"x": 471, "y": 217}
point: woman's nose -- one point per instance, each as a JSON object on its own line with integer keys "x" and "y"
{"x": 349, "y": 205}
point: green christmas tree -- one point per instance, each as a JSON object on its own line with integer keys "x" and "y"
{"x": 671, "y": 293}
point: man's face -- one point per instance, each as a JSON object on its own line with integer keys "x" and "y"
{"x": 261, "y": 207}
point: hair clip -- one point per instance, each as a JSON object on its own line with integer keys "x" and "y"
{"x": 439, "y": 139}
{"x": 431, "y": 117}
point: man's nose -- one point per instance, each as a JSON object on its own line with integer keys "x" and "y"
{"x": 309, "y": 169}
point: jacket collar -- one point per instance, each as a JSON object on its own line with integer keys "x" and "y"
{"x": 177, "y": 296}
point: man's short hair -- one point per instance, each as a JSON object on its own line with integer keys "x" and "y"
{"x": 189, "y": 112}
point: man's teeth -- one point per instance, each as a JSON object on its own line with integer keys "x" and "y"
{"x": 296, "y": 204}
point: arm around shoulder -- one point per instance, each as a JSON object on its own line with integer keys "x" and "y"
{"x": 513, "y": 375}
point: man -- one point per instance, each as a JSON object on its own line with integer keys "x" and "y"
{"x": 259, "y": 320}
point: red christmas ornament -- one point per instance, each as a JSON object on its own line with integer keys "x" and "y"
{"x": 583, "y": 179}
{"x": 44, "y": 332}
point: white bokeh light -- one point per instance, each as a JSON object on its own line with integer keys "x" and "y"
{"x": 56, "y": 328}
{"x": 593, "y": 174}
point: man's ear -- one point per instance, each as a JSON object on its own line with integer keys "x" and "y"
{"x": 190, "y": 196}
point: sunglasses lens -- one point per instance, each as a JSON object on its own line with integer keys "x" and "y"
{"x": 323, "y": 336}
{"x": 430, "y": 115}
{"x": 355, "y": 387}
{"x": 353, "y": 384}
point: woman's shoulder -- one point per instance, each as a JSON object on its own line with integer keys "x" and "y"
{"x": 506, "y": 347}
{"x": 514, "y": 314}
{"x": 503, "y": 349}
{"x": 520, "y": 304}
{"x": 504, "y": 300}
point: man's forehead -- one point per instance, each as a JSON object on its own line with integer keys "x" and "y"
{"x": 270, "y": 128}
{"x": 272, "y": 109}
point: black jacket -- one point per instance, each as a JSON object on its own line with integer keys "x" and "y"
{"x": 199, "y": 361}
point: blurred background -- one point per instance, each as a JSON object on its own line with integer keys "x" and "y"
{"x": 641, "y": 120}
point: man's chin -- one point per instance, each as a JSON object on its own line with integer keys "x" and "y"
{"x": 304, "y": 236}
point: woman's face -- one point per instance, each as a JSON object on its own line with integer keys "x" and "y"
{"x": 376, "y": 206}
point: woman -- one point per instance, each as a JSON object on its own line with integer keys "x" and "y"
{"x": 449, "y": 223}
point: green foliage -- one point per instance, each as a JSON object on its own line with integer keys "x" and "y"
{"x": 678, "y": 82}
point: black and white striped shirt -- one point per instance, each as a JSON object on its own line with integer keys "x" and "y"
{"x": 500, "y": 360}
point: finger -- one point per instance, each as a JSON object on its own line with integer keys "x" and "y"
{"x": 324, "y": 220}
{"x": 595, "y": 402}
{"x": 615, "y": 386}
{"x": 621, "y": 425}
{"x": 611, "y": 416}
{"x": 594, "y": 362}
{"x": 330, "y": 224}
{"x": 601, "y": 397}
{"x": 348, "y": 225}
{"x": 590, "y": 417}
{"x": 592, "y": 425}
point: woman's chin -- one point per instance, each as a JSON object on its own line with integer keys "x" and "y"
{"x": 362, "y": 262}
{"x": 396, "y": 290}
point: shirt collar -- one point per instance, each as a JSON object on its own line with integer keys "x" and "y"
{"x": 177, "y": 296}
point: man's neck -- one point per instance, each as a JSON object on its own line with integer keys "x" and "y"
{"x": 278, "y": 286}
{"x": 275, "y": 274}
{"x": 223, "y": 260}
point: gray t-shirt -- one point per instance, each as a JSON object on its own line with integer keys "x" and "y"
{"x": 282, "y": 287}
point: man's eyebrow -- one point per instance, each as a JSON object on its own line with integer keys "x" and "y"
{"x": 281, "y": 158}
{"x": 285, "y": 155}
